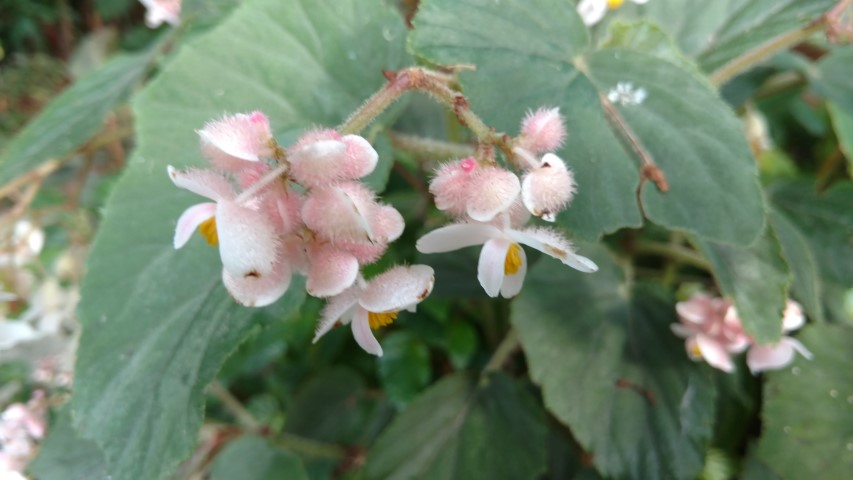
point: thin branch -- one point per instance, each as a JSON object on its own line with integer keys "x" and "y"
{"x": 428, "y": 147}
{"x": 506, "y": 348}
{"x": 230, "y": 402}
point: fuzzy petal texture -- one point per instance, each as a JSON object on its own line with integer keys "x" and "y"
{"x": 773, "y": 357}
{"x": 190, "y": 220}
{"x": 241, "y": 136}
{"x": 492, "y": 191}
{"x": 319, "y": 163}
{"x": 340, "y": 212}
{"x": 554, "y": 244}
{"x": 361, "y": 158}
{"x": 490, "y": 269}
{"x": 548, "y": 189}
{"x": 363, "y": 334}
{"x": 456, "y": 236}
{"x": 252, "y": 291}
{"x": 331, "y": 272}
{"x": 248, "y": 244}
{"x": 451, "y": 184}
{"x": 512, "y": 284}
{"x": 398, "y": 288}
{"x": 387, "y": 224}
{"x": 714, "y": 353}
{"x": 339, "y": 308}
{"x": 207, "y": 183}
{"x": 543, "y": 130}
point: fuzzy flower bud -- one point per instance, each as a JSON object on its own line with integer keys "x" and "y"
{"x": 542, "y": 131}
{"x": 323, "y": 157}
{"x": 549, "y": 188}
{"x": 235, "y": 139}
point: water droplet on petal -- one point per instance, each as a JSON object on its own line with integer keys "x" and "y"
{"x": 387, "y": 34}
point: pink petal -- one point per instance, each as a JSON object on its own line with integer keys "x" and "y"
{"x": 331, "y": 272}
{"x": 490, "y": 269}
{"x": 206, "y": 183}
{"x": 695, "y": 310}
{"x": 682, "y": 330}
{"x": 492, "y": 191}
{"x": 714, "y": 353}
{"x": 398, "y": 288}
{"x": 190, "y": 220}
{"x": 451, "y": 184}
{"x": 773, "y": 357}
{"x": 338, "y": 308}
{"x": 318, "y": 163}
{"x": 554, "y": 244}
{"x": 542, "y": 130}
{"x": 360, "y": 158}
{"x": 241, "y": 136}
{"x": 340, "y": 212}
{"x": 547, "y": 189}
{"x": 387, "y": 224}
{"x": 248, "y": 244}
{"x": 512, "y": 283}
{"x": 456, "y": 236}
{"x": 362, "y": 333}
{"x": 258, "y": 291}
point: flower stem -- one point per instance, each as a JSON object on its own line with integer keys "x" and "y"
{"x": 428, "y": 147}
{"x": 309, "y": 447}
{"x": 230, "y": 402}
{"x": 262, "y": 182}
{"x": 675, "y": 252}
{"x": 506, "y": 348}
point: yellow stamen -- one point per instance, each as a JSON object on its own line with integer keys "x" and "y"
{"x": 695, "y": 351}
{"x": 377, "y": 320}
{"x": 207, "y": 229}
{"x": 614, "y": 4}
{"x": 513, "y": 260}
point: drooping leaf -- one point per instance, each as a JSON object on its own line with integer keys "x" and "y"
{"x": 73, "y": 117}
{"x": 757, "y": 279}
{"x": 64, "y": 455}
{"x": 804, "y": 269}
{"x": 832, "y": 77}
{"x": 613, "y": 372}
{"x": 157, "y": 323}
{"x": 253, "y": 458}
{"x": 539, "y": 51}
{"x": 807, "y": 426}
{"x": 459, "y": 429}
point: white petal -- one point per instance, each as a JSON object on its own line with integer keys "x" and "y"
{"x": 331, "y": 271}
{"x": 490, "y": 269}
{"x": 206, "y": 183}
{"x": 770, "y": 357}
{"x": 398, "y": 288}
{"x": 793, "y": 317}
{"x": 592, "y": 11}
{"x": 258, "y": 291}
{"x": 363, "y": 335}
{"x": 512, "y": 283}
{"x": 338, "y": 308}
{"x": 247, "y": 240}
{"x": 190, "y": 220}
{"x": 715, "y": 354}
{"x": 456, "y": 236}
{"x": 553, "y": 244}
{"x": 640, "y": 2}
{"x": 681, "y": 330}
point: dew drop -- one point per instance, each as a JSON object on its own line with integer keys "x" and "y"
{"x": 387, "y": 34}
{"x": 795, "y": 370}
{"x": 833, "y": 393}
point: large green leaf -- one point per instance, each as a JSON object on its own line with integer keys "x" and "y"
{"x": 157, "y": 323}
{"x": 63, "y": 455}
{"x": 534, "y": 53}
{"x": 832, "y": 77}
{"x": 462, "y": 429}
{"x": 74, "y": 116}
{"x": 253, "y": 458}
{"x": 808, "y": 429}
{"x": 613, "y": 372}
{"x": 757, "y": 278}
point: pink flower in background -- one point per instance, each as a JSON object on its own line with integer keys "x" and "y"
{"x": 542, "y": 131}
{"x": 548, "y": 188}
{"x": 21, "y": 426}
{"x": 162, "y": 11}
{"x": 376, "y": 303}
{"x": 780, "y": 354}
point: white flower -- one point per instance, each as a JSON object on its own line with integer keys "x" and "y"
{"x": 160, "y": 11}
{"x": 592, "y": 11}
{"x": 780, "y": 354}
{"x": 625, "y": 94}
{"x": 374, "y": 304}
{"x": 503, "y": 264}
{"x": 24, "y": 245}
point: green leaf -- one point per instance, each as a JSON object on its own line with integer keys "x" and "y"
{"x": 824, "y": 219}
{"x": 649, "y": 38}
{"x": 253, "y": 458}
{"x": 807, "y": 426}
{"x": 538, "y": 52}
{"x": 832, "y": 77}
{"x": 64, "y": 455}
{"x": 462, "y": 429}
{"x": 757, "y": 279}
{"x": 804, "y": 269}
{"x": 404, "y": 368}
{"x": 157, "y": 324}
{"x": 720, "y": 31}
{"x": 613, "y": 372}
{"x": 842, "y": 121}
{"x": 76, "y": 115}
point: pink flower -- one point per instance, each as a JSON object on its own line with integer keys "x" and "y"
{"x": 375, "y": 304}
{"x": 712, "y": 330}
{"x": 160, "y": 11}
{"x": 542, "y": 131}
{"x": 348, "y": 212}
{"x": 479, "y": 191}
{"x": 236, "y": 139}
{"x": 503, "y": 263}
{"x": 780, "y": 354}
{"x": 548, "y": 188}
{"x": 324, "y": 157}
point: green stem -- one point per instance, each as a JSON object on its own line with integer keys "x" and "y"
{"x": 675, "y": 252}
{"x": 507, "y": 347}
{"x": 428, "y": 147}
{"x": 308, "y": 447}
{"x": 244, "y": 418}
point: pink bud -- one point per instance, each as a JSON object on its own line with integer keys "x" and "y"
{"x": 322, "y": 157}
{"x": 548, "y": 189}
{"x": 492, "y": 191}
{"x": 450, "y": 185}
{"x": 340, "y": 212}
{"x": 542, "y": 130}
{"x": 331, "y": 272}
{"x": 236, "y": 139}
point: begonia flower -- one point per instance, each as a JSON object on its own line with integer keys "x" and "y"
{"x": 548, "y": 188}
{"x": 234, "y": 140}
{"x": 162, "y": 11}
{"x": 780, "y": 354}
{"x": 712, "y": 330}
{"x": 324, "y": 157}
{"x": 369, "y": 305}
{"x": 503, "y": 263}
{"x": 592, "y": 11}
{"x": 480, "y": 192}
{"x": 542, "y": 131}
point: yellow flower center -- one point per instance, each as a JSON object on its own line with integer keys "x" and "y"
{"x": 207, "y": 229}
{"x": 614, "y": 4}
{"x": 378, "y": 320}
{"x": 696, "y": 351}
{"x": 513, "y": 260}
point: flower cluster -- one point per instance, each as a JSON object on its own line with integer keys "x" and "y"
{"x": 593, "y": 11}
{"x": 713, "y": 332}
{"x": 276, "y": 212}
{"x": 21, "y": 427}
{"x": 492, "y": 205}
